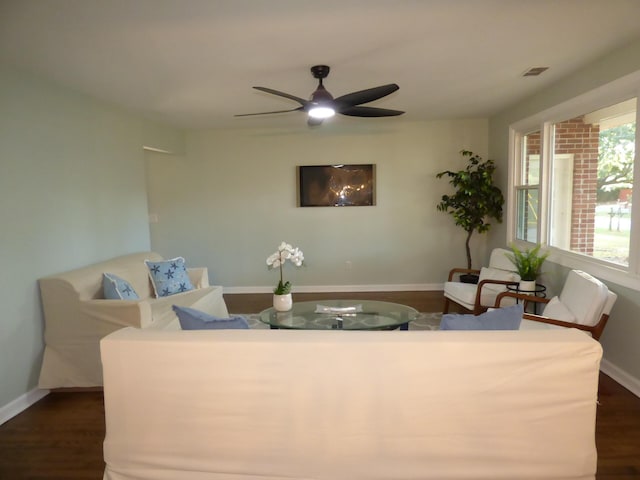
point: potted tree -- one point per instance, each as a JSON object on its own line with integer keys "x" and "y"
{"x": 476, "y": 198}
{"x": 528, "y": 264}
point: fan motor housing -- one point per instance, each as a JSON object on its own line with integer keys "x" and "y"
{"x": 320, "y": 71}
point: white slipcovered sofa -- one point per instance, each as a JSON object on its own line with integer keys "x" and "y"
{"x": 349, "y": 405}
{"x": 77, "y": 315}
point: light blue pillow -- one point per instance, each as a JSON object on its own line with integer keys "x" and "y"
{"x": 169, "y": 277}
{"x": 507, "y": 318}
{"x": 192, "y": 319}
{"x": 116, "y": 288}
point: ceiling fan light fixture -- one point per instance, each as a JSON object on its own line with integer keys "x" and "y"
{"x": 321, "y": 111}
{"x": 321, "y": 105}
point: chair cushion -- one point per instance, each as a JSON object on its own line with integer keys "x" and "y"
{"x": 533, "y": 325}
{"x": 192, "y": 319}
{"x": 585, "y": 297}
{"x": 558, "y": 311}
{"x": 487, "y": 273}
{"x": 465, "y": 294}
{"x": 507, "y": 318}
{"x": 169, "y": 277}
{"x": 500, "y": 260}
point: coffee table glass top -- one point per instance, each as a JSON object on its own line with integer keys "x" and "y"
{"x": 341, "y": 315}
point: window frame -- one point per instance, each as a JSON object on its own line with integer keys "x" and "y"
{"x": 614, "y": 92}
{"x": 518, "y": 184}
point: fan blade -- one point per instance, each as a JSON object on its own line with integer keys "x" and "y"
{"x": 366, "y": 96}
{"x": 301, "y": 101}
{"x": 370, "y": 112}
{"x": 314, "y": 122}
{"x": 267, "y": 113}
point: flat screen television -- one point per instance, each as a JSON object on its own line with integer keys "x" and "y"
{"x": 336, "y": 185}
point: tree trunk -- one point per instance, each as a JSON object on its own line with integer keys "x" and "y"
{"x": 466, "y": 244}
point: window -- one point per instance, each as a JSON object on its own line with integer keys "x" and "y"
{"x": 592, "y": 183}
{"x": 572, "y": 180}
{"x": 528, "y": 188}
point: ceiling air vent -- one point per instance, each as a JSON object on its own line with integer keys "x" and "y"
{"x": 534, "y": 71}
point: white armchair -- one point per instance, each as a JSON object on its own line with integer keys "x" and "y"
{"x": 493, "y": 280}
{"x": 584, "y": 303}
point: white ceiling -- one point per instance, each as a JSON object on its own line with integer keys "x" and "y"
{"x": 192, "y": 63}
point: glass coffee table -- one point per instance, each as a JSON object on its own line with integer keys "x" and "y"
{"x": 341, "y": 315}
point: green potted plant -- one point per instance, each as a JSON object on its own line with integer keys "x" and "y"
{"x": 476, "y": 198}
{"x": 528, "y": 264}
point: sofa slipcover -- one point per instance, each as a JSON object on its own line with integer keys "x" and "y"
{"x": 349, "y": 405}
{"x": 77, "y": 316}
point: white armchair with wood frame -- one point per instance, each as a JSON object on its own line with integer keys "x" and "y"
{"x": 584, "y": 303}
{"x": 493, "y": 280}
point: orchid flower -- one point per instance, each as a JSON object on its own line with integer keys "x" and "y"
{"x": 278, "y": 259}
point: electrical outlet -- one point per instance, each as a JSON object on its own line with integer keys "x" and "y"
{"x": 348, "y": 265}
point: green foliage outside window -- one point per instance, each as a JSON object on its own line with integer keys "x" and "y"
{"x": 615, "y": 163}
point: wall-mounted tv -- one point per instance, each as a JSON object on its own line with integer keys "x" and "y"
{"x": 336, "y": 185}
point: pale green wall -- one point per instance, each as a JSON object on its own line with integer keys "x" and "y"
{"x": 72, "y": 192}
{"x": 621, "y": 339}
{"x": 232, "y": 199}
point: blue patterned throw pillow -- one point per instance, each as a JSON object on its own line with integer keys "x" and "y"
{"x": 116, "y": 288}
{"x": 169, "y": 277}
{"x": 192, "y": 319}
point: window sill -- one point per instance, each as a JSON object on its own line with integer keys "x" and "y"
{"x": 604, "y": 271}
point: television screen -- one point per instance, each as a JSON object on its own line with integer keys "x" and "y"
{"x": 336, "y": 185}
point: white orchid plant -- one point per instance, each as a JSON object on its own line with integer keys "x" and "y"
{"x": 278, "y": 259}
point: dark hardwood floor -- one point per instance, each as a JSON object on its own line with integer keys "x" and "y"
{"x": 60, "y": 437}
{"x": 254, "y": 303}
{"x": 617, "y": 432}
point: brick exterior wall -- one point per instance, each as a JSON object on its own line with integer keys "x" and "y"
{"x": 581, "y": 140}
{"x": 533, "y": 145}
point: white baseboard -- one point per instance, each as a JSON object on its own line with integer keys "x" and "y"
{"x": 624, "y": 378}
{"x": 412, "y": 287}
{"x": 20, "y": 404}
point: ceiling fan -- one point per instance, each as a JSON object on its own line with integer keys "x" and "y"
{"x": 322, "y": 105}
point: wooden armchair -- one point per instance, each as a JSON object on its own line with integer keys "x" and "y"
{"x": 492, "y": 281}
{"x": 584, "y": 303}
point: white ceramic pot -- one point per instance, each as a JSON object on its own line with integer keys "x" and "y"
{"x": 282, "y": 303}
{"x": 527, "y": 286}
